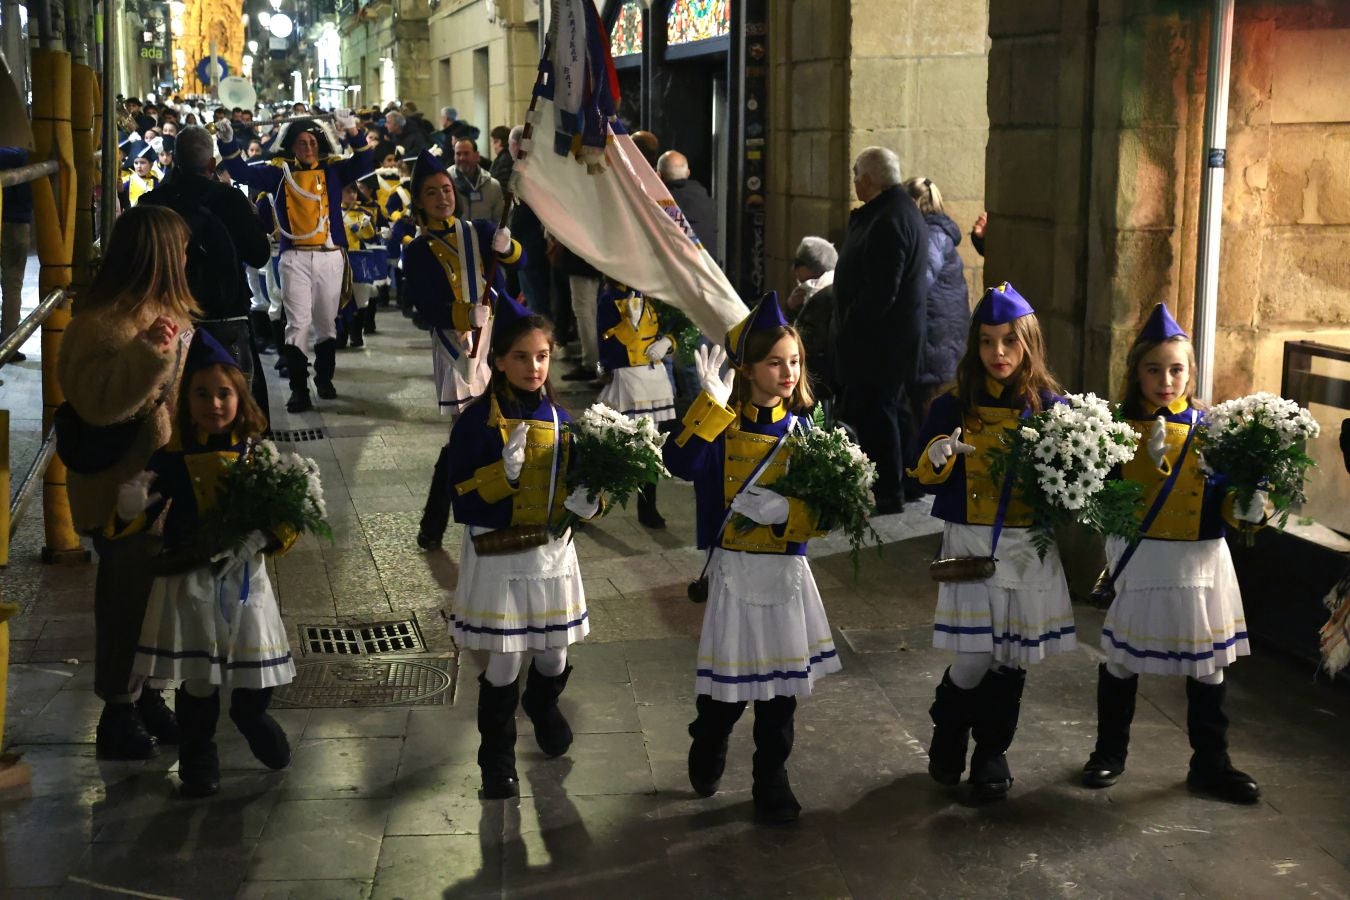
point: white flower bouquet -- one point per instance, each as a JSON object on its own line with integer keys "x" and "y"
{"x": 830, "y": 473}
{"x": 265, "y": 490}
{"x": 1060, "y": 459}
{"x": 1256, "y": 443}
{"x": 615, "y": 454}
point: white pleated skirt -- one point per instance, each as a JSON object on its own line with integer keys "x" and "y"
{"x": 765, "y": 633}
{"x": 529, "y": 600}
{"x": 227, "y": 632}
{"x": 1178, "y": 610}
{"x": 459, "y": 377}
{"x": 640, "y": 391}
{"x": 1021, "y": 614}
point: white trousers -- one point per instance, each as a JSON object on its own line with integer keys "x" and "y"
{"x": 274, "y": 293}
{"x": 585, "y": 301}
{"x": 313, "y": 287}
{"x": 362, "y": 294}
{"x": 257, "y": 285}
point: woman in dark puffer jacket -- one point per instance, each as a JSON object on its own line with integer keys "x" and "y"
{"x": 948, "y": 300}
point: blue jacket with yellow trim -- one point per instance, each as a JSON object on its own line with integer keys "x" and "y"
{"x": 433, "y": 285}
{"x": 622, "y": 345}
{"x": 718, "y": 450}
{"x": 964, "y": 490}
{"x": 1199, "y": 506}
{"x": 480, "y": 493}
{"x": 267, "y": 175}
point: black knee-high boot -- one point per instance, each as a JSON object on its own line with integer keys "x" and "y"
{"x": 1212, "y": 771}
{"x": 297, "y": 372}
{"x": 266, "y": 740}
{"x": 1115, "y": 711}
{"x": 774, "y": 800}
{"x": 369, "y": 322}
{"x": 262, "y": 330}
{"x": 711, "y": 731}
{"x": 198, "y": 761}
{"x": 646, "y": 508}
{"x": 278, "y": 327}
{"x": 997, "y": 707}
{"x": 540, "y": 702}
{"x": 497, "y": 739}
{"x": 325, "y": 364}
{"x": 951, "y": 713}
{"x": 436, "y": 513}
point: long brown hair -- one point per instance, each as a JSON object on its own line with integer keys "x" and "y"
{"x": 1031, "y": 378}
{"x": 144, "y": 262}
{"x": 1132, "y": 396}
{"x": 249, "y": 420}
{"x": 502, "y": 342}
{"x": 757, "y": 347}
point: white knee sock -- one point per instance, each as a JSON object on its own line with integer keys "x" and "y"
{"x": 503, "y": 668}
{"x": 968, "y": 669}
{"x": 551, "y": 663}
{"x": 1116, "y": 670}
{"x": 1215, "y": 677}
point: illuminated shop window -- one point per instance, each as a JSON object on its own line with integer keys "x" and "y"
{"x": 697, "y": 20}
{"x": 625, "y": 38}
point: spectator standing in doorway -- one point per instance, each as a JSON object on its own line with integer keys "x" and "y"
{"x": 692, "y": 198}
{"x": 879, "y": 315}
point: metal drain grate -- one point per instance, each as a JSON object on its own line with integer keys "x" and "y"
{"x": 370, "y": 682}
{"x": 362, "y": 639}
{"x": 297, "y": 435}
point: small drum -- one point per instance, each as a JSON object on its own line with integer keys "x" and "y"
{"x": 369, "y": 265}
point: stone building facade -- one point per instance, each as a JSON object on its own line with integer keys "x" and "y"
{"x": 482, "y": 60}
{"x": 385, "y": 49}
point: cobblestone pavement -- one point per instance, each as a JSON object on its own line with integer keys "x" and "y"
{"x": 381, "y": 801}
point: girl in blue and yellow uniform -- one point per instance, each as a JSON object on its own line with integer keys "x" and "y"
{"x": 507, "y": 461}
{"x": 215, "y": 623}
{"x": 1177, "y": 609}
{"x": 142, "y": 179}
{"x": 445, "y": 277}
{"x": 765, "y": 635}
{"x": 633, "y": 349}
{"x": 367, "y": 261}
{"x": 1000, "y": 625}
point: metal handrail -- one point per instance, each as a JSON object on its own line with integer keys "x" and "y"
{"x": 31, "y": 323}
{"x": 30, "y": 172}
{"x": 33, "y": 476}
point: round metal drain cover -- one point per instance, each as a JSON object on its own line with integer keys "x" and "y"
{"x": 369, "y": 682}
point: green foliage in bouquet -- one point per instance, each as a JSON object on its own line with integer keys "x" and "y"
{"x": 268, "y": 491}
{"x": 677, "y": 324}
{"x": 1059, "y": 461}
{"x": 832, "y": 475}
{"x": 615, "y": 454}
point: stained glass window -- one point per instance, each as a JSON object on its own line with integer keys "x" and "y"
{"x": 625, "y": 38}
{"x": 697, "y": 20}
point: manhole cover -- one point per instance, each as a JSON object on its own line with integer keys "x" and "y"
{"x": 362, "y": 638}
{"x": 370, "y": 682}
{"x": 297, "y": 435}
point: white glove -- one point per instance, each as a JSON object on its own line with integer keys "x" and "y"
{"x": 513, "y": 453}
{"x": 708, "y": 363}
{"x": 1157, "y": 442}
{"x": 134, "y": 497}
{"x": 479, "y": 314}
{"x": 1254, "y": 512}
{"x": 942, "y": 449}
{"x": 224, "y": 131}
{"x": 761, "y": 505}
{"x": 157, "y": 144}
{"x": 581, "y": 504}
{"x": 435, "y": 150}
{"x": 344, "y": 119}
{"x": 501, "y": 241}
{"x": 634, "y": 311}
{"x": 658, "y": 350}
{"x": 230, "y": 562}
{"x": 400, "y": 151}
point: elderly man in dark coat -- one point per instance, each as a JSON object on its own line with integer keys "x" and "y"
{"x": 692, "y": 198}
{"x": 880, "y": 293}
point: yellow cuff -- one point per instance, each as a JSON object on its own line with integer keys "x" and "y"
{"x": 285, "y": 536}
{"x": 511, "y": 255}
{"x": 459, "y": 316}
{"x": 112, "y": 532}
{"x": 802, "y": 523}
{"x": 924, "y": 471}
{"x": 705, "y": 419}
{"x": 1226, "y": 509}
{"x": 490, "y": 483}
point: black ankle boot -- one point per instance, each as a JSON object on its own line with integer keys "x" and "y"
{"x": 711, "y": 732}
{"x": 646, "y": 508}
{"x": 325, "y": 364}
{"x": 156, "y": 716}
{"x": 356, "y": 333}
{"x": 368, "y": 322}
{"x": 297, "y": 372}
{"x": 266, "y": 739}
{"x": 121, "y": 734}
{"x": 997, "y": 706}
{"x": 198, "y": 761}
{"x": 1212, "y": 772}
{"x": 540, "y": 702}
{"x": 1115, "y": 711}
{"x": 262, "y": 331}
{"x": 951, "y": 715}
{"x": 497, "y": 739}
{"x": 772, "y": 793}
